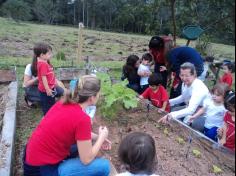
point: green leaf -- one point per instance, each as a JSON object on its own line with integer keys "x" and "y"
{"x": 197, "y": 153}
{"x": 216, "y": 169}
{"x": 180, "y": 140}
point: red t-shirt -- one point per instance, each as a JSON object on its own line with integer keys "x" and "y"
{"x": 61, "y": 127}
{"x": 44, "y": 69}
{"x": 228, "y": 79}
{"x": 230, "y": 133}
{"x": 157, "y": 98}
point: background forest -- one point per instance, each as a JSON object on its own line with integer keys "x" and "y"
{"x": 133, "y": 16}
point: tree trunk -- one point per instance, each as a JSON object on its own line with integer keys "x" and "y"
{"x": 173, "y": 19}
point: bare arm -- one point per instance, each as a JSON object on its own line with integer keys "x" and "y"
{"x": 87, "y": 151}
{"x": 164, "y": 105}
{"x": 45, "y": 84}
{"x": 223, "y": 138}
{"x": 200, "y": 112}
{"x": 29, "y": 81}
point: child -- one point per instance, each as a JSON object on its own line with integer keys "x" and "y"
{"x": 46, "y": 77}
{"x": 213, "y": 112}
{"x": 137, "y": 151}
{"x": 227, "y": 78}
{"x": 144, "y": 71}
{"x": 130, "y": 70}
{"x": 227, "y": 132}
{"x": 157, "y": 93}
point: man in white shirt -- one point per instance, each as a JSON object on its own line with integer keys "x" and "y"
{"x": 194, "y": 92}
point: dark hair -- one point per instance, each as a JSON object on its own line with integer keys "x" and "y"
{"x": 137, "y": 150}
{"x": 34, "y": 66}
{"x": 230, "y": 66}
{"x": 155, "y": 79}
{"x": 230, "y": 101}
{"x": 157, "y": 43}
{"x": 39, "y": 48}
{"x": 209, "y": 59}
{"x": 147, "y": 57}
{"x": 221, "y": 89}
{"x": 88, "y": 86}
{"x": 190, "y": 66}
{"x": 130, "y": 64}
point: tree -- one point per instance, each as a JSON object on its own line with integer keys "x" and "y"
{"x": 47, "y": 11}
{"x": 16, "y": 9}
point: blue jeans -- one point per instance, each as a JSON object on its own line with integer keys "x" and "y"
{"x": 211, "y": 133}
{"x": 46, "y": 101}
{"x": 74, "y": 167}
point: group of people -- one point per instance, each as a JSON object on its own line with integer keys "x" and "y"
{"x": 190, "y": 99}
{"x": 63, "y": 143}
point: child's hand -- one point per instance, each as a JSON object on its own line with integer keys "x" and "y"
{"x": 220, "y": 132}
{"x": 164, "y": 119}
{"x": 49, "y": 92}
{"x": 106, "y": 145}
{"x": 221, "y": 142}
{"x": 103, "y": 132}
{"x": 162, "y": 68}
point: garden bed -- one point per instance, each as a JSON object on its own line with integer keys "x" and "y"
{"x": 175, "y": 155}
{"x": 8, "y": 96}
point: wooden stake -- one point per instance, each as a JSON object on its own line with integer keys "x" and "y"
{"x": 80, "y": 43}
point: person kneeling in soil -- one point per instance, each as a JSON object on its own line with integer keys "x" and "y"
{"x": 227, "y": 132}
{"x": 157, "y": 93}
{"x": 49, "y": 147}
{"x": 137, "y": 151}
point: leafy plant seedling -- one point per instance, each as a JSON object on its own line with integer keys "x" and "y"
{"x": 166, "y": 132}
{"x": 197, "y": 153}
{"x": 216, "y": 169}
{"x": 180, "y": 140}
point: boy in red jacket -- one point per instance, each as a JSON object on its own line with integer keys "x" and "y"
{"x": 227, "y": 78}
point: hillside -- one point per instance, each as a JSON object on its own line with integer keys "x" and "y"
{"x": 17, "y": 40}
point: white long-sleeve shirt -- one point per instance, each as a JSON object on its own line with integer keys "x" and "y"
{"x": 193, "y": 96}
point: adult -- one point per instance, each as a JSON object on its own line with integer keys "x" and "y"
{"x": 30, "y": 84}
{"x": 158, "y": 46}
{"x": 194, "y": 92}
{"x": 66, "y": 124}
{"x": 130, "y": 72}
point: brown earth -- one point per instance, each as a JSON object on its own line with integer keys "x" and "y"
{"x": 3, "y": 96}
{"x": 173, "y": 156}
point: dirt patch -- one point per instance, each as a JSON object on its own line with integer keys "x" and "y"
{"x": 175, "y": 156}
{"x": 7, "y": 76}
{"x": 3, "y": 100}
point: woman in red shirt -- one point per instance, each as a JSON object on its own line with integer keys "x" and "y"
{"x": 66, "y": 124}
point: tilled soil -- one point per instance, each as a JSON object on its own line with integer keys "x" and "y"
{"x": 3, "y": 96}
{"x": 173, "y": 156}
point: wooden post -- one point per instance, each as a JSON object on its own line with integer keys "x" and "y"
{"x": 80, "y": 43}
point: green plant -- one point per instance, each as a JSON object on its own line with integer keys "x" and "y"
{"x": 197, "y": 153}
{"x": 180, "y": 140}
{"x": 166, "y": 132}
{"x": 61, "y": 56}
{"x": 115, "y": 97}
{"x": 216, "y": 169}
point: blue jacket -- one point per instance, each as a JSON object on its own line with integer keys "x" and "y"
{"x": 177, "y": 56}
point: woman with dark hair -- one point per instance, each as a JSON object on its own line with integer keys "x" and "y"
{"x": 48, "y": 151}
{"x": 130, "y": 72}
{"x": 138, "y": 152}
{"x": 30, "y": 84}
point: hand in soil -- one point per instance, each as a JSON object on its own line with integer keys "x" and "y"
{"x": 163, "y": 119}
{"x": 106, "y": 145}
